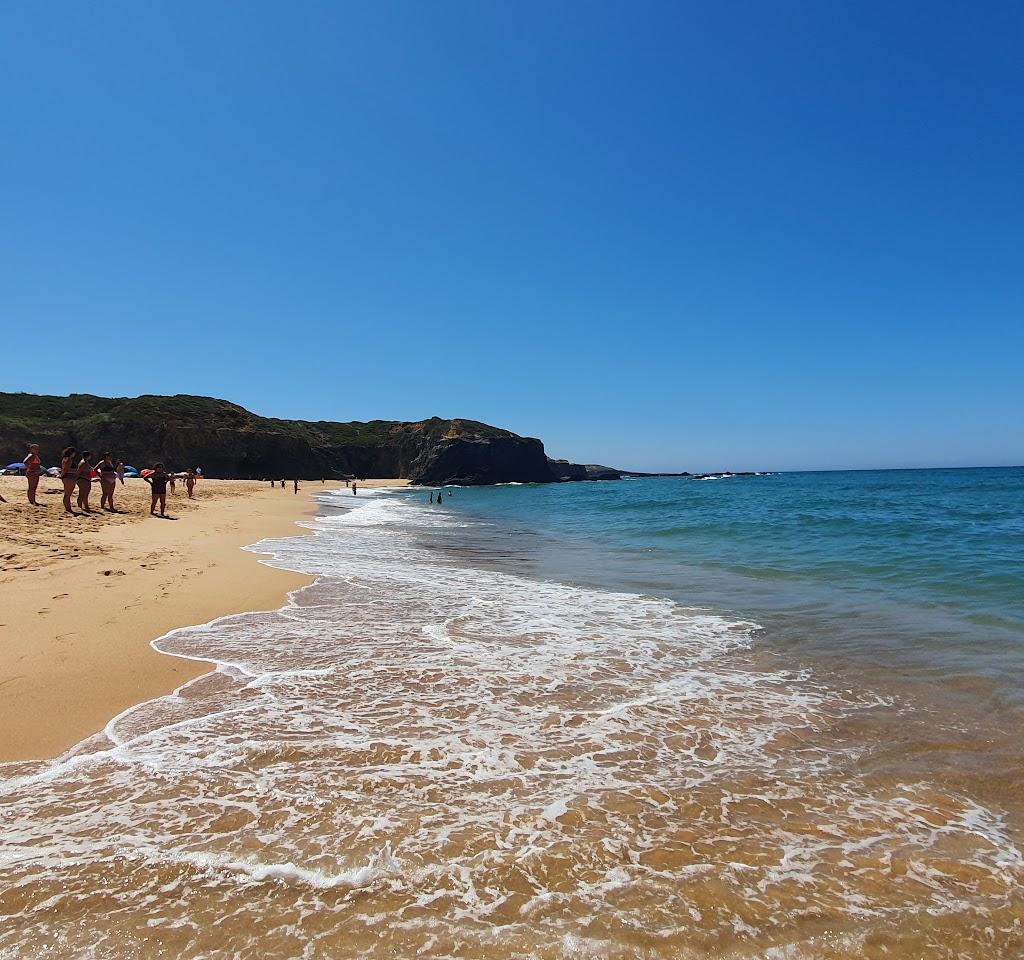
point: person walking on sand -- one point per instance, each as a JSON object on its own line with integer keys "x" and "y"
{"x": 83, "y": 476}
{"x": 68, "y": 476}
{"x": 355, "y": 491}
{"x": 296, "y": 482}
{"x": 32, "y": 464}
{"x": 158, "y": 481}
{"x": 108, "y": 481}
{"x": 190, "y": 484}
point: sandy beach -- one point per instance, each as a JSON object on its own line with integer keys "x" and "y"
{"x": 82, "y": 597}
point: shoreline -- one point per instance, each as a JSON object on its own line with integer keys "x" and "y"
{"x": 83, "y": 599}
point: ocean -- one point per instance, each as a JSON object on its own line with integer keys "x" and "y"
{"x": 747, "y": 717}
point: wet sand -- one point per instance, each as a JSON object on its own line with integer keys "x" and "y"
{"x": 81, "y": 598}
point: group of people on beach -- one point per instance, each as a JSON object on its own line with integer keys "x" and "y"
{"x": 77, "y": 472}
{"x": 351, "y": 484}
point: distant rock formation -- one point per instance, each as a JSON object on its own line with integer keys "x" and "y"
{"x": 563, "y": 470}
{"x": 229, "y": 441}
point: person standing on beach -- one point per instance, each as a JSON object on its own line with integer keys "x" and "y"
{"x": 158, "y": 481}
{"x": 296, "y": 482}
{"x": 354, "y": 490}
{"x": 170, "y": 479}
{"x": 83, "y": 476}
{"x": 68, "y": 476}
{"x": 190, "y": 484}
{"x": 119, "y": 471}
{"x": 32, "y": 464}
{"x": 108, "y": 481}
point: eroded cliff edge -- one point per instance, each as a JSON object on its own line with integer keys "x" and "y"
{"x": 228, "y": 441}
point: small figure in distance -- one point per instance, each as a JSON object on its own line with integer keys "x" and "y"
{"x": 355, "y": 489}
{"x": 439, "y": 497}
{"x": 190, "y": 484}
{"x": 84, "y": 478}
{"x": 170, "y": 479}
{"x": 119, "y": 471}
{"x": 108, "y": 481}
{"x": 68, "y": 476}
{"x": 449, "y": 493}
{"x": 296, "y": 482}
{"x": 431, "y": 496}
{"x": 158, "y": 481}
{"x": 32, "y": 464}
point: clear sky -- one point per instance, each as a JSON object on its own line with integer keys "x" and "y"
{"x": 659, "y": 235}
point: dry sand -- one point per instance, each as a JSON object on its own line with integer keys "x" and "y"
{"x": 82, "y": 597}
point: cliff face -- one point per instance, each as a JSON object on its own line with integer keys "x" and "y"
{"x": 228, "y": 441}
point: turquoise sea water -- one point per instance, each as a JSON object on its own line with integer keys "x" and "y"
{"x": 920, "y": 571}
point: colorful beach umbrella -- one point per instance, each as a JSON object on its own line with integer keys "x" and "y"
{"x": 15, "y": 466}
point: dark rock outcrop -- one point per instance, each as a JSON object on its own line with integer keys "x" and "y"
{"x": 229, "y": 441}
{"x": 563, "y": 471}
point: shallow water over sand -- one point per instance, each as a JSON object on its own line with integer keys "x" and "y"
{"x": 421, "y": 757}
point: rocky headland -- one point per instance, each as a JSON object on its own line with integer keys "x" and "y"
{"x": 228, "y": 441}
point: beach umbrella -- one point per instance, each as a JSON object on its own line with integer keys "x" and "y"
{"x": 128, "y": 469}
{"x": 15, "y": 466}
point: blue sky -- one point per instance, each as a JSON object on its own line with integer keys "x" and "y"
{"x": 658, "y": 235}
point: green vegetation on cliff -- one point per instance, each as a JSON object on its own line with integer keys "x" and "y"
{"x": 227, "y": 440}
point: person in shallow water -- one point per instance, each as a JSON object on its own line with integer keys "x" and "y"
{"x": 431, "y": 496}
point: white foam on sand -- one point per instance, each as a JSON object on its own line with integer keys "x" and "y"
{"x": 433, "y": 755}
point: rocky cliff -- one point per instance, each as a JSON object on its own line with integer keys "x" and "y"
{"x": 229, "y": 441}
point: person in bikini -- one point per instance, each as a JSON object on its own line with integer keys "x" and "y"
{"x": 108, "y": 481}
{"x": 83, "y": 476}
{"x": 190, "y": 483}
{"x": 32, "y": 465}
{"x": 68, "y": 476}
{"x": 158, "y": 481}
